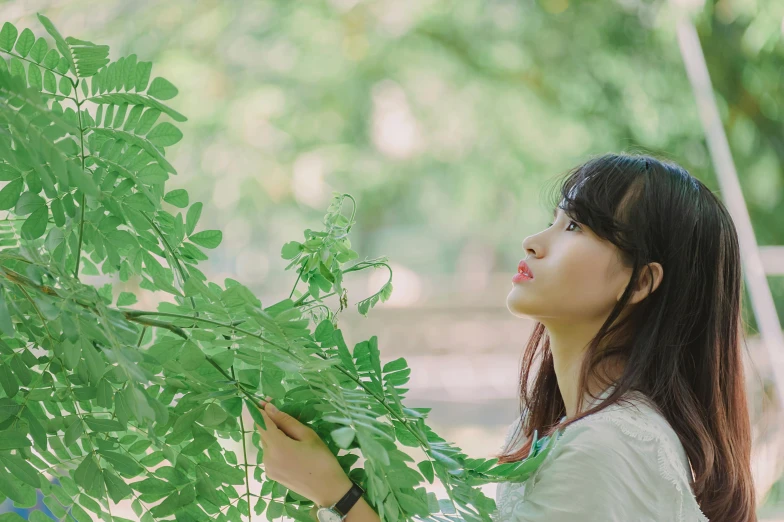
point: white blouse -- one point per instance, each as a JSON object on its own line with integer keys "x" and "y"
{"x": 622, "y": 464}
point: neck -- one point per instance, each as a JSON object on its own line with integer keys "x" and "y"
{"x": 568, "y": 346}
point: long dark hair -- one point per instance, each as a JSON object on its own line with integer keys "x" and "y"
{"x": 680, "y": 346}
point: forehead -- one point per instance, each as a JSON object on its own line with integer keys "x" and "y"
{"x": 558, "y": 207}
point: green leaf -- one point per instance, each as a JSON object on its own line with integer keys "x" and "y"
{"x": 142, "y": 74}
{"x": 29, "y": 203}
{"x": 206, "y": 488}
{"x": 25, "y": 42}
{"x": 126, "y": 299}
{"x": 11, "y": 489}
{"x": 185, "y": 422}
{"x": 127, "y": 75}
{"x": 65, "y": 86}
{"x": 89, "y": 57}
{"x": 324, "y": 331}
{"x": 52, "y": 59}
{"x": 50, "y": 83}
{"x": 133, "y": 118}
{"x": 62, "y": 46}
{"x": 6, "y": 326}
{"x": 74, "y": 431}
{"x": 155, "y": 108}
{"x": 214, "y": 415}
{"x": 21, "y": 370}
{"x": 57, "y": 212}
{"x": 103, "y": 425}
{"x": 72, "y": 352}
{"x": 256, "y": 414}
{"x": 207, "y": 238}
{"x": 140, "y": 201}
{"x": 223, "y": 473}
{"x": 14, "y": 439}
{"x": 164, "y": 135}
{"x": 10, "y": 194}
{"x": 162, "y": 89}
{"x": 21, "y": 469}
{"x": 116, "y": 486}
{"x": 8, "y": 407}
{"x": 426, "y": 467}
{"x": 122, "y": 463}
{"x": 374, "y": 449}
{"x": 192, "y": 217}
{"x": 8, "y": 36}
{"x": 153, "y": 485}
{"x": 178, "y": 198}
{"x": 291, "y": 250}
{"x": 88, "y": 475}
{"x": 343, "y": 437}
{"x": 233, "y": 406}
{"x": 8, "y": 379}
{"x": 191, "y": 357}
{"x": 38, "y": 51}
{"x": 35, "y": 225}
{"x": 397, "y": 364}
{"x": 405, "y": 437}
{"x": 8, "y": 172}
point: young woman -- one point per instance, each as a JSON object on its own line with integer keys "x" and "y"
{"x": 636, "y": 290}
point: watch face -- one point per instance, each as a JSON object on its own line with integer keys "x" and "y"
{"x": 327, "y": 515}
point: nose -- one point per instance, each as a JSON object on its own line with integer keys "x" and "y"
{"x": 531, "y": 247}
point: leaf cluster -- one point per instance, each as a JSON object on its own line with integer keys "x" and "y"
{"x": 121, "y": 403}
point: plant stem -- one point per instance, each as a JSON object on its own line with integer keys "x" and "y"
{"x": 83, "y": 203}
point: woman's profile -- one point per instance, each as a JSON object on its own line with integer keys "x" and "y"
{"x": 635, "y": 356}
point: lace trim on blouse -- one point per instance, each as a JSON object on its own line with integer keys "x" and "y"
{"x": 638, "y": 426}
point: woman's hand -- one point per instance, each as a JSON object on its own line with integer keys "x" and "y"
{"x": 295, "y": 456}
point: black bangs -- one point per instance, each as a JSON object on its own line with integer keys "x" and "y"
{"x": 603, "y": 194}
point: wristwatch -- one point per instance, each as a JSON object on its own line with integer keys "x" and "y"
{"x": 338, "y": 511}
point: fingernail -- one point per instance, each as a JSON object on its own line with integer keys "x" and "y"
{"x": 271, "y": 407}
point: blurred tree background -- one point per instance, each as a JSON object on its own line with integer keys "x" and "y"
{"x": 445, "y": 119}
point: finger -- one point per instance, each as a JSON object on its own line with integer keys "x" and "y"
{"x": 271, "y": 430}
{"x": 286, "y": 423}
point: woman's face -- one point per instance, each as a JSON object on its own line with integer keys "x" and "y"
{"x": 578, "y": 277}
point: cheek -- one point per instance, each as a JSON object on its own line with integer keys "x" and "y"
{"x": 585, "y": 282}
{"x": 578, "y": 286}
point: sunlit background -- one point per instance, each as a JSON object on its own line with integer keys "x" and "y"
{"x": 445, "y": 120}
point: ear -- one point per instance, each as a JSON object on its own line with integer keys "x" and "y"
{"x": 650, "y": 277}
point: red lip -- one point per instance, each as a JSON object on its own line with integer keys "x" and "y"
{"x": 524, "y": 273}
{"x": 523, "y": 267}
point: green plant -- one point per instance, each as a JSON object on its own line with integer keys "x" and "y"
{"x": 123, "y": 403}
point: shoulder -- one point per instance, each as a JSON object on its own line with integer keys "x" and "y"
{"x": 633, "y": 431}
{"x": 611, "y": 440}
{"x": 633, "y": 419}
{"x": 631, "y": 446}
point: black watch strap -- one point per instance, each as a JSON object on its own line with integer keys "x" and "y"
{"x": 349, "y": 499}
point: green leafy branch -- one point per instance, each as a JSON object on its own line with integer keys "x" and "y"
{"x": 114, "y": 392}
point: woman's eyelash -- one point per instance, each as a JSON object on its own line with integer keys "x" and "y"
{"x": 570, "y": 223}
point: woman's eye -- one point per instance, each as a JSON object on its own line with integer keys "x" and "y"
{"x": 570, "y": 224}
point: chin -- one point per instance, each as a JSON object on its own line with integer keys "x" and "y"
{"x": 516, "y": 307}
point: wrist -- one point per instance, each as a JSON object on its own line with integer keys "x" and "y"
{"x": 336, "y": 490}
